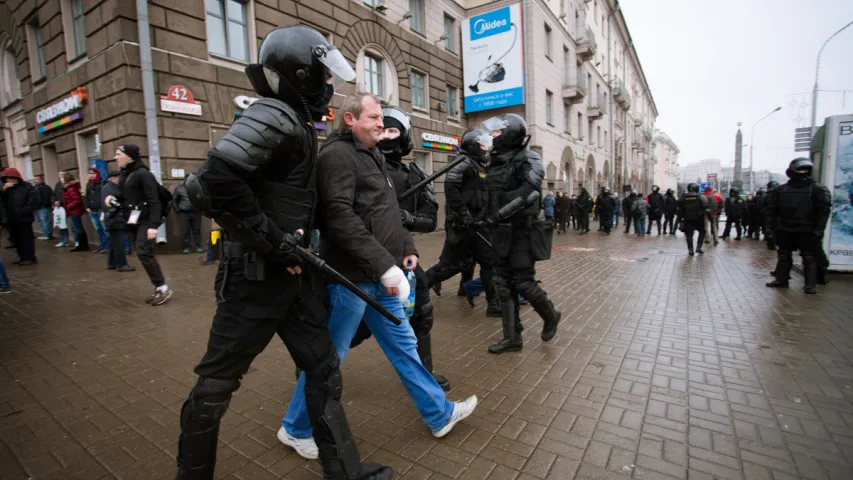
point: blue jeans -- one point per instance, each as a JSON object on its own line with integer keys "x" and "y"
{"x": 4, "y": 280}
{"x": 640, "y": 226}
{"x": 76, "y": 226}
{"x": 103, "y": 237}
{"x": 45, "y": 219}
{"x": 398, "y": 342}
{"x": 616, "y": 219}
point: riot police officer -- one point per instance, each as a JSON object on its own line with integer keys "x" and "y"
{"x": 519, "y": 239}
{"x": 735, "y": 209}
{"x": 465, "y": 204}
{"x": 258, "y": 184}
{"x": 670, "y": 208}
{"x": 419, "y": 212}
{"x": 692, "y": 211}
{"x": 797, "y": 213}
{"x": 656, "y": 204}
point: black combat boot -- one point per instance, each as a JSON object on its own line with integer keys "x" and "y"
{"x": 782, "y": 273}
{"x": 552, "y": 320}
{"x": 494, "y": 308}
{"x": 511, "y": 328}
{"x": 425, "y": 353}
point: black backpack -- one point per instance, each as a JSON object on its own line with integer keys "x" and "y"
{"x": 165, "y": 197}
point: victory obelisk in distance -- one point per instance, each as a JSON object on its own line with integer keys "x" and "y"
{"x": 738, "y": 158}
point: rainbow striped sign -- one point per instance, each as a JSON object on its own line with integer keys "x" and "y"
{"x": 438, "y": 146}
{"x": 61, "y": 122}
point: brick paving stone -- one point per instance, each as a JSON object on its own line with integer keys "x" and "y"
{"x": 665, "y": 367}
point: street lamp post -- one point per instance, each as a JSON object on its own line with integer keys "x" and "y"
{"x": 816, "y": 73}
{"x": 752, "y": 145}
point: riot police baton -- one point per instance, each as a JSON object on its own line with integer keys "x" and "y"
{"x": 483, "y": 238}
{"x": 432, "y": 177}
{"x": 337, "y": 277}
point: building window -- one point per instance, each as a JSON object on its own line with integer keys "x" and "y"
{"x": 74, "y": 25}
{"x": 549, "y": 100}
{"x": 227, "y": 29}
{"x": 416, "y": 9}
{"x": 422, "y": 160}
{"x": 9, "y": 79}
{"x": 372, "y": 3}
{"x": 566, "y": 119}
{"x": 598, "y": 135}
{"x": 418, "y": 90}
{"x": 373, "y": 75}
{"x": 566, "y": 65}
{"x": 590, "y": 131}
{"x": 452, "y": 97}
{"x": 547, "y": 41}
{"x": 36, "y": 41}
{"x": 580, "y": 125}
{"x": 450, "y": 31}
{"x": 216, "y": 134}
{"x": 563, "y": 7}
{"x": 88, "y": 149}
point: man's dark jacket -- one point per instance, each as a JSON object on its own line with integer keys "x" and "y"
{"x": 21, "y": 202}
{"x": 93, "y": 195}
{"x": 44, "y": 195}
{"x": 627, "y": 204}
{"x": 670, "y": 205}
{"x": 59, "y": 192}
{"x": 181, "y": 200}
{"x": 605, "y": 203}
{"x": 656, "y": 202}
{"x": 115, "y": 218}
{"x": 360, "y": 213}
{"x": 140, "y": 190}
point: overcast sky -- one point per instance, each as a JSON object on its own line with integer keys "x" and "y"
{"x": 712, "y": 64}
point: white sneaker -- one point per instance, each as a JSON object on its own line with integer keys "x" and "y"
{"x": 305, "y": 447}
{"x": 461, "y": 411}
{"x": 61, "y": 244}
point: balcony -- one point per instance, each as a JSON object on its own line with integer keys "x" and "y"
{"x": 586, "y": 44}
{"x": 576, "y": 90}
{"x": 596, "y": 106}
{"x": 620, "y": 94}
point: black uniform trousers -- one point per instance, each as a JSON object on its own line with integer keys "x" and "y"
{"x": 755, "y": 227}
{"x": 583, "y": 221}
{"x": 669, "y": 221}
{"x": 691, "y": 226}
{"x": 515, "y": 274}
{"x": 810, "y": 250}
{"x": 729, "y": 222}
{"x": 628, "y": 219}
{"x": 606, "y": 217}
{"x": 248, "y": 315}
{"x": 653, "y": 219}
{"x": 462, "y": 248}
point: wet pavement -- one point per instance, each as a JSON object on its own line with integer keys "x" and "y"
{"x": 665, "y": 366}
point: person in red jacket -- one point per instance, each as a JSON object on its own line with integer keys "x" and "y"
{"x": 75, "y": 208}
{"x": 715, "y": 205}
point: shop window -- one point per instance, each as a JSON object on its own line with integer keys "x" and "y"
{"x": 35, "y": 40}
{"x": 10, "y": 85}
{"x": 423, "y": 160}
{"x": 416, "y": 10}
{"x": 373, "y": 75}
{"x": 452, "y": 101}
{"x": 549, "y": 100}
{"x": 450, "y": 33}
{"x": 228, "y": 29}
{"x": 88, "y": 149}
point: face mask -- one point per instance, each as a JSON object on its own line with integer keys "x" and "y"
{"x": 319, "y": 107}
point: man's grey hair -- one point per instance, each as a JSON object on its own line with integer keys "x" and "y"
{"x": 352, "y": 104}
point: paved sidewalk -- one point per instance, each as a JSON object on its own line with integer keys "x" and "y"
{"x": 665, "y": 366}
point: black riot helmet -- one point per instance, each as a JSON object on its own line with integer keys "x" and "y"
{"x": 508, "y": 132}
{"x": 693, "y": 187}
{"x": 655, "y": 189}
{"x": 734, "y": 192}
{"x": 761, "y": 191}
{"x": 670, "y": 191}
{"x": 297, "y": 64}
{"x": 801, "y": 163}
{"x": 396, "y": 140}
{"x": 476, "y": 143}
{"x": 772, "y": 184}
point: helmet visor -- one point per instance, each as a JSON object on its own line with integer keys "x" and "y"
{"x": 398, "y": 116}
{"x": 485, "y": 141}
{"x": 493, "y": 124}
{"x": 339, "y": 70}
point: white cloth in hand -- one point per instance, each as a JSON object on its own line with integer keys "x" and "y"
{"x": 394, "y": 278}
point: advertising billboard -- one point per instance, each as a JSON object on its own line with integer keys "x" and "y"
{"x": 839, "y": 173}
{"x": 493, "y": 59}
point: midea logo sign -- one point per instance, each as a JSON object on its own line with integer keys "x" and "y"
{"x": 482, "y": 26}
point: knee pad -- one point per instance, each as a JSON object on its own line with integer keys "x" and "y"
{"x": 207, "y": 403}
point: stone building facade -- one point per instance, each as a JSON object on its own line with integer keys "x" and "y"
{"x": 72, "y": 82}
{"x": 54, "y": 48}
{"x": 664, "y": 161}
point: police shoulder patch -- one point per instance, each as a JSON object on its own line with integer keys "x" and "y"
{"x": 482, "y": 174}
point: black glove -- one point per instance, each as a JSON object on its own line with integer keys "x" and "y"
{"x": 489, "y": 222}
{"x": 467, "y": 219}
{"x": 286, "y": 253}
{"x": 407, "y": 218}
